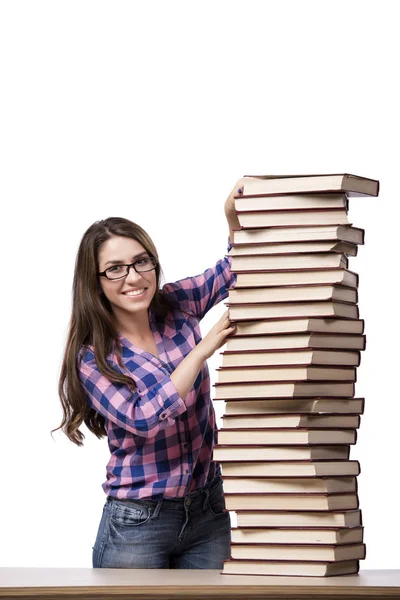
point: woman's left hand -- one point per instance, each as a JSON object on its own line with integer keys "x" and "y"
{"x": 230, "y": 201}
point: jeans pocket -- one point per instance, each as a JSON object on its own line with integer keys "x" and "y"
{"x": 130, "y": 513}
{"x": 216, "y": 501}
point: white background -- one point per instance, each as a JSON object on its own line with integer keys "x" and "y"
{"x": 152, "y": 111}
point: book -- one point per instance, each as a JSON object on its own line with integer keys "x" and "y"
{"x": 335, "y": 536}
{"x": 282, "y": 262}
{"x": 243, "y": 343}
{"x": 285, "y": 373}
{"x": 266, "y": 421}
{"x": 289, "y": 485}
{"x": 287, "y": 310}
{"x": 295, "y": 248}
{"x": 323, "y": 552}
{"x": 332, "y": 468}
{"x": 290, "y": 357}
{"x": 246, "y": 203}
{"x": 351, "y": 185}
{"x": 349, "y": 518}
{"x": 281, "y": 218}
{"x": 292, "y": 294}
{"x": 354, "y": 406}
{"x": 279, "y": 453}
{"x": 345, "y": 233}
{"x": 286, "y": 437}
{"x": 290, "y": 569}
{"x": 277, "y": 278}
{"x": 305, "y": 325}
{"x": 226, "y": 391}
{"x": 295, "y": 502}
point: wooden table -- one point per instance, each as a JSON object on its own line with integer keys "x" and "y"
{"x": 153, "y": 584}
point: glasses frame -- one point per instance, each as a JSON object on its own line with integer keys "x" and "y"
{"x": 153, "y": 259}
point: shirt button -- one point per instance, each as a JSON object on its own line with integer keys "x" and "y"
{"x": 187, "y": 471}
{"x": 163, "y": 416}
{"x": 185, "y": 445}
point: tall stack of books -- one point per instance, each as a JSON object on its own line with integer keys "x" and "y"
{"x": 288, "y": 378}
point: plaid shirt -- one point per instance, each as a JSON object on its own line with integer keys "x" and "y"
{"x": 160, "y": 449}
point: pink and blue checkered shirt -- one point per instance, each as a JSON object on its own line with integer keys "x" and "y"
{"x": 160, "y": 449}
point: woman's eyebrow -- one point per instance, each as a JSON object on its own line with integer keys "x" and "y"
{"x": 118, "y": 262}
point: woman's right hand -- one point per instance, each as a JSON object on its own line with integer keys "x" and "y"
{"x": 216, "y": 337}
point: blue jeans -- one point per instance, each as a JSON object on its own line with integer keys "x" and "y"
{"x": 175, "y": 533}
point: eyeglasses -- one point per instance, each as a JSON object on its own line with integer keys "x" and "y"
{"x": 147, "y": 263}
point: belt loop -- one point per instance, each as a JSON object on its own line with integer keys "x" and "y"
{"x": 157, "y": 509}
{"x": 206, "y": 502}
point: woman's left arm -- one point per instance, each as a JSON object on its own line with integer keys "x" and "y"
{"x": 196, "y": 295}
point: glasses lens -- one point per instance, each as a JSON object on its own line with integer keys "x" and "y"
{"x": 117, "y": 271}
{"x": 147, "y": 263}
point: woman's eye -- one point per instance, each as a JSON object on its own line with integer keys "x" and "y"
{"x": 115, "y": 269}
{"x": 143, "y": 261}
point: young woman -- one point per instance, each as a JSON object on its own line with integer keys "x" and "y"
{"x": 135, "y": 370}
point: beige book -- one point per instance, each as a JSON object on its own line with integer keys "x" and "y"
{"x": 280, "y": 453}
{"x": 285, "y": 535}
{"x": 298, "y": 552}
{"x": 332, "y": 468}
{"x": 292, "y": 294}
{"x": 281, "y": 235}
{"x": 354, "y": 406}
{"x": 351, "y": 185}
{"x": 278, "y": 278}
{"x": 290, "y": 569}
{"x": 286, "y": 437}
{"x": 230, "y": 391}
{"x": 290, "y": 357}
{"x": 294, "y": 373}
{"x": 257, "y": 518}
{"x": 260, "y": 421}
{"x": 281, "y": 262}
{"x": 290, "y": 202}
{"x": 295, "y": 502}
{"x": 305, "y": 325}
{"x": 287, "y": 310}
{"x": 280, "y": 218}
{"x": 290, "y": 485}
{"x": 294, "y": 248}
{"x": 242, "y": 343}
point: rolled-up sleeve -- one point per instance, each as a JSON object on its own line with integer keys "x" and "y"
{"x": 143, "y": 412}
{"x": 198, "y": 294}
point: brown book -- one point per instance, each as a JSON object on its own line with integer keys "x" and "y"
{"x": 289, "y": 485}
{"x": 290, "y": 357}
{"x": 351, "y": 185}
{"x": 290, "y": 389}
{"x": 354, "y": 406}
{"x": 336, "y": 536}
{"x": 285, "y": 373}
{"x": 295, "y": 248}
{"x": 280, "y": 453}
{"x": 331, "y": 468}
{"x": 298, "y": 552}
{"x": 241, "y": 343}
{"x": 297, "y": 293}
{"x": 282, "y": 278}
{"x": 286, "y": 218}
{"x": 295, "y": 502}
{"x": 288, "y": 310}
{"x": 305, "y": 325}
{"x": 247, "y": 203}
{"x": 286, "y": 437}
{"x": 345, "y": 233}
{"x": 260, "y": 421}
{"x": 289, "y": 262}
{"x": 257, "y": 518}
{"x": 290, "y": 569}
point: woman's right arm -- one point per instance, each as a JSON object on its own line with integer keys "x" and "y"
{"x": 146, "y": 412}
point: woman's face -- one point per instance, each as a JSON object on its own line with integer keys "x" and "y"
{"x": 125, "y": 251}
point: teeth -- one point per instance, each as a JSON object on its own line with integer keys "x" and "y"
{"x": 135, "y": 293}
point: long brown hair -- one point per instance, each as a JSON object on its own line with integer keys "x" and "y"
{"x": 92, "y": 323}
